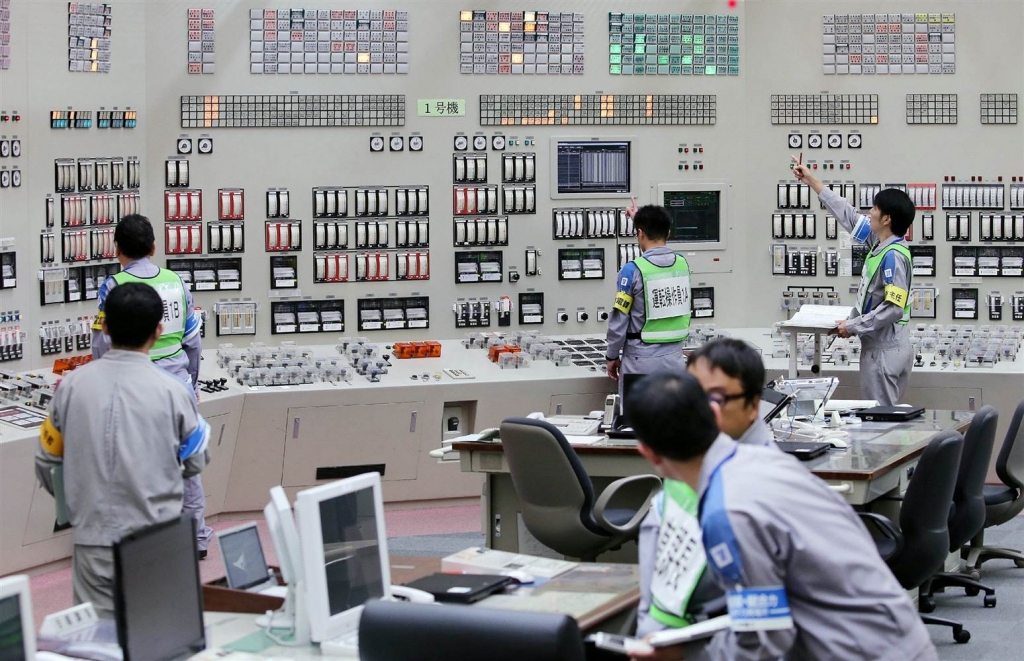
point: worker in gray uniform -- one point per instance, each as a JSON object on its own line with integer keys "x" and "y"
{"x": 802, "y": 576}
{"x": 732, "y": 374}
{"x": 651, "y": 314}
{"x": 883, "y": 300}
{"x": 125, "y": 433}
{"x": 179, "y": 348}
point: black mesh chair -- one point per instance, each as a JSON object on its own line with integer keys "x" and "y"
{"x": 967, "y": 517}
{"x": 918, "y": 549}
{"x": 556, "y": 496}
{"x": 390, "y": 630}
{"x": 1002, "y": 501}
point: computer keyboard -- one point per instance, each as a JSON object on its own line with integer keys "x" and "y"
{"x": 575, "y": 425}
{"x": 345, "y": 646}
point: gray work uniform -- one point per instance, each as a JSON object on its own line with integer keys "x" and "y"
{"x": 886, "y": 353}
{"x": 122, "y": 424}
{"x": 639, "y": 357}
{"x": 790, "y": 530}
{"x": 759, "y": 434}
{"x": 184, "y": 365}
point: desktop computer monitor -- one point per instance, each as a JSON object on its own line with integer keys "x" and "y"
{"x": 17, "y": 633}
{"x": 158, "y": 599}
{"x": 344, "y": 552}
{"x": 245, "y": 565}
{"x": 284, "y": 535}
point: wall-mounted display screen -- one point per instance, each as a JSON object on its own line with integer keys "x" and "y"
{"x": 696, "y": 215}
{"x": 593, "y": 167}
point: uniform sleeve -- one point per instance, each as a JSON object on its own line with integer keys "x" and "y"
{"x": 647, "y": 554}
{"x": 100, "y": 342}
{"x": 618, "y": 320}
{"x": 193, "y": 433}
{"x": 851, "y": 220}
{"x": 192, "y": 343}
{"x": 896, "y": 278}
{"x": 50, "y": 452}
{"x": 764, "y": 551}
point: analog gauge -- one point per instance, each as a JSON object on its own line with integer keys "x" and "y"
{"x": 205, "y": 145}
{"x": 796, "y": 141}
{"x": 814, "y": 141}
{"x": 376, "y": 143}
{"x": 461, "y": 143}
{"x": 479, "y": 142}
{"x": 498, "y": 142}
{"x": 853, "y": 141}
{"x": 835, "y": 140}
{"x": 397, "y": 143}
{"x": 416, "y": 143}
{"x": 184, "y": 146}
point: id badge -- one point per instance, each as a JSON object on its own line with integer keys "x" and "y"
{"x": 759, "y": 609}
{"x": 680, "y": 559}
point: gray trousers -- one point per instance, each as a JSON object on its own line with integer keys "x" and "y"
{"x": 92, "y": 578}
{"x": 634, "y": 364}
{"x": 885, "y": 373}
{"x": 194, "y": 504}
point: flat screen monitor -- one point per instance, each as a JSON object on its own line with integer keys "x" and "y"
{"x": 696, "y": 215}
{"x": 284, "y": 535}
{"x": 245, "y": 565}
{"x": 17, "y": 633}
{"x": 158, "y": 599}
{"x": 344, "y": 551}
{"x": 588, "y": 167}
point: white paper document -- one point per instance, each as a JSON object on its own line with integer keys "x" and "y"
{"x": 825, "y": 317}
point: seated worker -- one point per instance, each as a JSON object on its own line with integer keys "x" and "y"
{"x": 802, "y": 576}
{"x": 651, "y": 315}
{"x": 732, "y": 374}
{"x": 883, "y": 301}
{"x": 126, "y": 432}
{"x": 178, "y": 350}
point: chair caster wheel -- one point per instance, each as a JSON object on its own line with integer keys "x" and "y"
{"x": 1019, "y": 563}
{"x": 972, "y": 592}
{"x": 974, "y": 573}
{"x": 926, "y": 604}
{"x": 990, "y": 601}
{"x": 962, "y": 636}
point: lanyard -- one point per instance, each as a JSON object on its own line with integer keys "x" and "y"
{"x": 719, "y": 539}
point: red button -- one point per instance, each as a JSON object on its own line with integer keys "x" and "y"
{"x": 686, "y": 150}
{"x": 815, "y": 166}
{"x": 702, "y": 150}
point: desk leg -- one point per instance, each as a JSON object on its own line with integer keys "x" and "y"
{"x": 793, "y": 373}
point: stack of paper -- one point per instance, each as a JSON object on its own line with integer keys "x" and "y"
{"x": 478, "y": 560}
{"x": 825, "y": 317}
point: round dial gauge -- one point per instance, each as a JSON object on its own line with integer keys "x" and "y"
{"x": 461, "y": 143}
{"x": 835, "y": 140}
{"x": 376, "y": 143}
{"x": 498, "y": 142}
{"x": 814, "y": 141}
{"x": 184, "y": 146}
{"x": 479, "y": 142}
{"x": 397, "y": 143}
{"x": 853, "y": 141}
{"x": 416, "y": 143}
{"x": 205, "y": 145}
{"x": 796, "y": 141}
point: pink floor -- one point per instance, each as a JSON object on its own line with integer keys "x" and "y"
{"x": 51, "y": 591}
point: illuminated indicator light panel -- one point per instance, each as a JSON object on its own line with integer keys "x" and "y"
{"x": 538, "y": 42}
{"x": 925, "y": 44}
{"x": 673, "y": 44}
{"x": 89, "y": 32}
{"x": 201, "y": 36}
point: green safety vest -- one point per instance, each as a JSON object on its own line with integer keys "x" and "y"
{"x": 666, "y": 301}
{"x": 168, "y": 285}
{"x": 679, "y": 560}
{"x": 871, "y": 265}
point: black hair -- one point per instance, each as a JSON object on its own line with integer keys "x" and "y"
{"x": 736, "y": 359}
{"x": 671, "y": 415}
{"x": 132, "y": 312}
{"x": 134, "y": 236}
{"x": 898, "y": 206}
{"x": 654, "y": 221}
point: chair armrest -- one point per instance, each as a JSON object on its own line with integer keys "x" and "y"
{"x": 612, "y": 490}
{"x": 886, "y": 528}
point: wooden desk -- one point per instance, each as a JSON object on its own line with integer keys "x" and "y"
{"x": 878, "y": 462}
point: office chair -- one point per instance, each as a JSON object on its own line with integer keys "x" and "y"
{"x": 391, "y": 630}
{"x": 1004, "y": 501}
{"x": 556, "y": 497}
{"x": 919, "y": 548}
{"x": 967, "y": 517}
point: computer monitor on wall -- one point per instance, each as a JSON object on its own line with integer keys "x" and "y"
{"x": 344, "y": 552}
{"x": 17, "y": 633}
{"x": 699, "y": 214}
